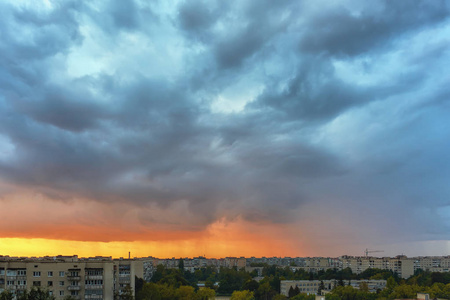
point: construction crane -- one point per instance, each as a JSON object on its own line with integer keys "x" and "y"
{"x": 372, "y": 251}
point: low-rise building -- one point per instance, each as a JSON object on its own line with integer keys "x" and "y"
{"x": 313, "y": 286}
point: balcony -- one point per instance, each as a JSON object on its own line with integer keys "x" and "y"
{"x": 94, "y": 277}
{"x": 74, "y": 287}
{"x": 73, "y": 278}
{"x": 124, "y": 280}
{"x": 93, "y": 287}
{"x": 93, "y": 297}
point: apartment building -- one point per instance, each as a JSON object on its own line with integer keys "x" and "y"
{"x": 401, "y": 265}
{"x": 91, "y": 278}
{"x": 192, "y": 264}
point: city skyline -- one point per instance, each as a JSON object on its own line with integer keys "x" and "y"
{"x": 231, "y": 128}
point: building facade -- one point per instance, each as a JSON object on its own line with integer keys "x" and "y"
{"x": 312, "y": 286}
{"x": 91, "y": 278}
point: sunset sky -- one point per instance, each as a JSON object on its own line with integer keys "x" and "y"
{"x": 224, "y": 128}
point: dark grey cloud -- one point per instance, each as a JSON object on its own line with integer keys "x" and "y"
{"x": 352, "y": 31}
{"x": 240, "y": 109}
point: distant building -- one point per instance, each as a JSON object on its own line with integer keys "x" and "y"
{"x": 312, "y": 286}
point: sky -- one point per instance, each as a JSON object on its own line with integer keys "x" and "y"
{"x": 224, "y": 128}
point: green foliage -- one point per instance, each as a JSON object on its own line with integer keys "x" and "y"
{"x": 279, "y": 297}
{"x": 303, "y": 296}
{"x": 162, "y": 291}
{"x": 251, "y": 285}
{"x": 242, "y": 295}
{"x": 181, "y": 264}
{"x": 138, "y": 283}
{"x": 265, "y": 291}
{"x": 206, "y": 294}
{"x": 185, "y": 293}
{"x": 405, "y": 291}
{"x": 231, "y": 280}
{"x": 350, "y": 293}
{"x": 36, "y": 294}
{"x": 321, "y": 287}
{"x": 6, "y": 295}
{"x": 127, "y": 294}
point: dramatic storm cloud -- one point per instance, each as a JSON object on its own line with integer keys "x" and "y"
{"x": 327, "y": 122}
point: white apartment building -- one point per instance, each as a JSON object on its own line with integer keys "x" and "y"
{"x": 312, "y": 286}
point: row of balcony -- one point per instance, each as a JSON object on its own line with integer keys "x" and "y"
{"x": 87, "y": 277}
{"x": 21, "y": 277}
{"x": 93, "y": 297}
{"x": 86, "y": 287}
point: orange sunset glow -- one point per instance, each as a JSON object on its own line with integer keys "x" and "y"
{"x": 220, "y": 239}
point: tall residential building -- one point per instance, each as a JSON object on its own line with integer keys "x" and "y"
{"x": 91, "y": 278}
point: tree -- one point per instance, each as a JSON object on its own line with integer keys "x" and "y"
{"x": 265, "y": 292}
{"x": 166, "y": 292}
{"x": 251, "y": 285}
{"x": 36, "y": 294}
{"x": 127, "y": 293}
{"x": 149, "y": 291}
{"x": 138, "y": 284}
{"x": 242, "y": 295}
{"x": 185, "y": 293}
{"x": 364, "y": 287}
{"x": 6, "y": 295}
{"x": 291, "y": 292}
{"x": 206, "y": 294}
{"x": 303, "y": 296}
{"x": 181, "y": 264}
{"x": 321, "y": 288}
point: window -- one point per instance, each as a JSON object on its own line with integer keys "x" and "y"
{"x": 11, "y": 273}
{"x": 61, "y": 273}
{"x": 36, "y": 283}
{"x": 10, "y": 282}
{"x": 36, "y": 274}
{"x": 74, "y": 273}
{"x": 22, "y": 272}
{"x": 61, "y": 283}
{"x": 61, "y": 293}
{"x": 50, "y": 283}
{"x": 22, "y": 282}
{"x": 74, "y": 293}
{"x": 50, "y": 293}
{"x": 50, "y": 274}
{"x": 93, "y": 282}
